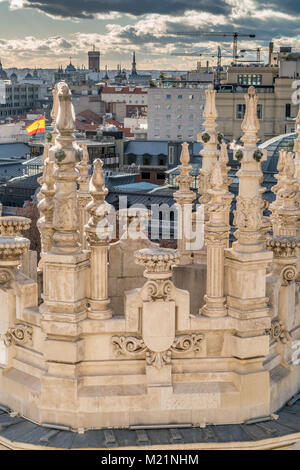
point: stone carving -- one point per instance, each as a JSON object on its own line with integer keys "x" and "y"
{"x": 12, "y": 226}
{"x": 6, "y": 278}
{"x": 136, "y": 347}
{"x": 285, "y": 208}
{"x": 159, "y": 289}
{"x": 278, "y": 332}
{"x": 98, "y": 233}
{"x": 19, "y": 334}
{"x": 210, "y": 145}
{"x": 248, "y": 216}
{"x": 283, "y": 247}
{"x": 157, "y": 260}
{"x": 65, "y": 217}
{"x": 288, "y": 274}
{"x": 46, "y": 206}
{"x": 184, "y": 197}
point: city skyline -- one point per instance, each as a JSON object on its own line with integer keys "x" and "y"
{"x": 46, "y": 33}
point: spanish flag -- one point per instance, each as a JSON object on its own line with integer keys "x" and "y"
{"x": 37, "y": 126}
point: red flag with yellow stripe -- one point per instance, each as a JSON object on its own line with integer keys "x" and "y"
{"x": 37, "y": 126}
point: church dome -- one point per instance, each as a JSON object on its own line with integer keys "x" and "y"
{"x": 3, "y": 74}
{"x": 70, "y": 68}
{"x": 273, "y": 146}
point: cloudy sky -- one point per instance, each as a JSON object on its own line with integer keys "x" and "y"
{"x": 45, "y": 33}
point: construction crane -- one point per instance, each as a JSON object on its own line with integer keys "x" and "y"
{"x": 219, "y": 57}
{"x": 234, "y": 35}
{"x": 257, "y": 50}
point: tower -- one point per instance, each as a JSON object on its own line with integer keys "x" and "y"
{"x": 133, "y": 71}
{"x": 94, "y": 60}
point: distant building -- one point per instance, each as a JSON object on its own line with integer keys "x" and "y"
{"x": 136, "y": 78}
{"x": 94, "y": 60}
{"x": 135, "y": 98}
{"x": 273, "y": 84}
{"x": 175, "y": 113}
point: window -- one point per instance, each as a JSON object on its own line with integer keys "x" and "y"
{"x": 179, "y": 117}
{"x": 161, "y": 162}
{"x": 157, "y": 107}
{"x": 168, "y": 117}
{"x": 191, "y": 97}
{"x": 168, "y": 97}
{"x": 179, "y": 136}
{"x": 179, "y": 97}
{"x": 179, "y": 107}
{"x": 249, "y": 79}
{"x": 169, "y": 107}
{"x": 288, "y": 110}
{"x": 160, "y": 176}
{"x": 157, "y": 127}
{"x": 191, "y": 117}
{"x": 241, "y": 109}
{"x": 145, "y": 175}
{"x": 171, "y": 155}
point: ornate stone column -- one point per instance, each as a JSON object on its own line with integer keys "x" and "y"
{"x": 67, "y": 154}
{"x": 247, "y": 260}
{"x": 209, "y": 139}
{"x": 98, "y": 234}
{"x": 209, "y": 153}
{"x": 216, "y": 235}
{"x": 83, "y": 194}
{"x": 65, "y": 272}
{"x": 249, "y": 208}
{"x": 46, "y": 207}
{"x": 12, "y": 247}
{"x": 54, "y": 113}
{"x": 184, "y": 198}
{"x": 285, "y": 212}
{"x": 223, "y": 159}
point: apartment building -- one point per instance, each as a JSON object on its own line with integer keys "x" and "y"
{"x": 17, "y": 99}
{"x": 135, "y": 98}
{"x": 276, "y": 109}
{"x": 175, "y": 113}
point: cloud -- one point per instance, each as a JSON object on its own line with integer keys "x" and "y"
{"x": 149, "y": 34}
{"x": 92, "y": 8}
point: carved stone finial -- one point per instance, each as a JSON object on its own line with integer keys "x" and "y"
{"x": 285, "y": 210}
{"x": 185, "y": 155}
{"x": 54, "y": 112}
{"x": 216, "y": 177}
{"x": 210, "y": 111}
{"x": 97, "y": 208}
{"x": 250, "y": 124}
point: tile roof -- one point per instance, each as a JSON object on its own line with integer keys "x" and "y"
{"x": 16, "y": 149}
{"x": 287, "y": 427}
{"x": 125, "y": 90}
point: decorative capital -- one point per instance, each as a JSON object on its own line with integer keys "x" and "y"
{"x": 283, "y": 247}
{"x": 12, "y": 248}
{"x": 12, "y": 226}
{"x": 157, "y": 261}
